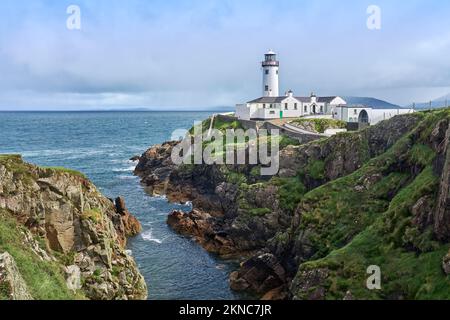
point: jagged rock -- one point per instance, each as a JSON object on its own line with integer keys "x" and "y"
{"x": 309, "y": 284}
{"x": 74, "y": 219}
{"x": 73, "y": 278}
{"x": 31, "y": 243}
{"x": 279, "y": 293}
{"x": 349, "y": 296}
{"x": 423, "y": 212}
{"x": 442, "y": 213}
{"x": 135, "y": 158}
{"x": 446, "y": 264}
{"x": 11, "y": 281}
{"x": 260, "y": 274}
{"x": 60, "y": 229}
{"x": 130, "y": 225}
{"x": 243, "y": 218}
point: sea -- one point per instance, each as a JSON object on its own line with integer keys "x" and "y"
{"x": 100, "y": 144}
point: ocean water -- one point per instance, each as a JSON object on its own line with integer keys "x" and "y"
{"x": 100, "y": 145}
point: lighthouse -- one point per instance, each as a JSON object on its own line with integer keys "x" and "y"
{"x": 270, "y": 75}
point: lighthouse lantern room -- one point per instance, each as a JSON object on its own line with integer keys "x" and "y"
{"x": 271, "y": 68}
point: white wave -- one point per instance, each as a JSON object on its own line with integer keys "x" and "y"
{"x": 124, "y": 169}
{"x": 148, "y": 236}
{"x": 128, "y": 177}
{"x": 69, "y": 154}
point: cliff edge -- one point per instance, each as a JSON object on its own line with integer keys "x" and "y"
{"x": 338, "y": 206}
{"x": 62, "y": 238}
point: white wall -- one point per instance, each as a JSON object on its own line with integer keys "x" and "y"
{"x": 375, "y": 115}
{"x": 378, "y": 115}
{"x": 271, "y": 80}
{"x": 243, "y": 112}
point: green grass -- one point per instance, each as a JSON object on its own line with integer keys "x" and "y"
{"x": 422, "y": 154}
{"x": 67, "y": 171}
{"x": 260, "y": 212}
{"x": 316, "y": 169}
{"x": 321, "y": 125}
{"x": 287, "y": 141}
{"x": 4, "y": 157}
{"x": 95, "y": 215}
{"x": 15, "y": 164}
{"x": 351, "y": 230}
{"x": 45, "y": 280}
{"x": 219, "y": 124}
{"x": 405, "y": 275}
{"x": 290, "y": 192}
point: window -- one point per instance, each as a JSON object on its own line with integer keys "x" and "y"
{"x": 277, "y": 71}
{"x": 285, "y": 106}
{"x": 306, "y": 109}
{"x": 272, "y": 112}
{"x": 264, "y": 105}
{"x": 267, "y": 88}
{"x": 295, "y": 106}
{"x": 321, "y": 109}
{"x": 356, "y": 111}
{"x": 271, "y": 106}
{"x": 267, "y": 71}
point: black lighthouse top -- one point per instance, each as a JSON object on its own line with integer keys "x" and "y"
{"x": 271, "y": 60}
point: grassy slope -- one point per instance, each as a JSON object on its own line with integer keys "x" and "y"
{"x": 45, "y": 280}
{"x": 321, "y": 125}
{"x": 353, "y": 230}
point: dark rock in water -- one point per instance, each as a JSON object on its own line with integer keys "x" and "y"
{"x": 135, "y": 158}
{"x": 260, "y": 274}
{"x": 279, "y": 293}
{"x": 198, "y": 225}
{"x": 281, "y": 224}
{"x": 128, "y": 224}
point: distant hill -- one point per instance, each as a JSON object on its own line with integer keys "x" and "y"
{"x": 435, "y": 104}
{"x": 371, "y": 102}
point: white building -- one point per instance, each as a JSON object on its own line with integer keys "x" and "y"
{"x": 273, "y": 106}
{"x": 366, "y": 114}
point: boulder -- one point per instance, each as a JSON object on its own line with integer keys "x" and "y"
{"x": 11, "y": 281}
{"x": 73, "y": 279}
{"x": 131, "y": 225}
{"x": 259, "y": 275}
{"x": 446, "y": 264}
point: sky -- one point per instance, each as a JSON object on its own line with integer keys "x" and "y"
{"x": 205, "y": 53}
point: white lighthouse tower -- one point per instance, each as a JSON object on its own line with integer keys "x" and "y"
{"x": 270, "y": 75}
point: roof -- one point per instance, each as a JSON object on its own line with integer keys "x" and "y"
{"x": 362, "y": 106}
{"x": 326, "y": 99}
{"x": 268, "y": 100}
{"x": 301, "y": 99}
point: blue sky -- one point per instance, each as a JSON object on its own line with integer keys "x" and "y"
{"x": 147, "y": 53}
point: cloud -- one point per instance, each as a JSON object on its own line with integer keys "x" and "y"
{"x": 205, "y": 53}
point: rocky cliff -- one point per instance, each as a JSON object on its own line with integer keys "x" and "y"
{"x": 337, "y": 206}
{"x": 62, "y": 237}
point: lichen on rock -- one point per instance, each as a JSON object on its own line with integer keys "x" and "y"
{"x": 80, "y": 228}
